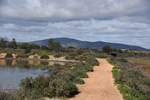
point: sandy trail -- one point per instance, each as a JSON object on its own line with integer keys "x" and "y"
{"x": 99, "y": 85}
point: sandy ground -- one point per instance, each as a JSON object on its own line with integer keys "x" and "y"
{"x": 99, "y": 85}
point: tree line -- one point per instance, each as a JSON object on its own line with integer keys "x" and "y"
{"x": 13, "y": 44}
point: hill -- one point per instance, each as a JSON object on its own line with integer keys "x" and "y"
{"x": 66, "y": 42}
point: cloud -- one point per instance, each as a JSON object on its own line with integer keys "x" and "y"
{"x": 122, "y": 21}
{"x": 71, "y": 9}
{"x": 93, "y": 30}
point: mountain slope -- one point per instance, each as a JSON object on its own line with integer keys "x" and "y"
{"x": 66, "y": 42}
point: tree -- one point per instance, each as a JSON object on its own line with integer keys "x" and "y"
{"x": 13, "y": 43}
{"x": 3, "y": 42}
{"x": 28, "y": 46}
{"x": 107, "y": 49}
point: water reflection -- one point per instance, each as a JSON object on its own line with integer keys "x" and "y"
{"x": 28, "y": 63}
{"x": 13, "y": 71}
{"x": 10, "y": 77}
{"x": 7, "y": 62}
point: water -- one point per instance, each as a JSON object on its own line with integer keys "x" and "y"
{"x": 11, "y": 74}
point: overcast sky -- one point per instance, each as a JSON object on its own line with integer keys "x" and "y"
{"x": 121, "y": 21}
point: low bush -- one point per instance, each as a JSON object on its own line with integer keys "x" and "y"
{"x": 61, "y": 81}
{"x": 48, "y": 87}
{"x": 44, "y": 57}
{"x": 58, "y": 55}
{"x": 132, "y": 83}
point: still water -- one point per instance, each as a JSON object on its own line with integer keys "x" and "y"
{"x": 12, "y": 72}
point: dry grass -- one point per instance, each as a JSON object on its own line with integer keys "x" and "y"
{"x": 143, "y": 62}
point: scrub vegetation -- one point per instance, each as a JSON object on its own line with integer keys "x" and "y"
{"x": 131, "y": 71}
{"x": 133, "y": 81}
{"x": 61, "y": 79}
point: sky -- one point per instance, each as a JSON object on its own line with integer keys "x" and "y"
{"x": 117, "y": 21}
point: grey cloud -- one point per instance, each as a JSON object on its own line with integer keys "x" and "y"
{"x": 107, "y": 30}
{"x": 122, "y": 21}
{"x": 72, "y": 9}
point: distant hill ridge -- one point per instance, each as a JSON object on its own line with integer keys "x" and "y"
{"x": 66, "y": 42}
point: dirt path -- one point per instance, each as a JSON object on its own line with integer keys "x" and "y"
{"x": 99, "y": 85}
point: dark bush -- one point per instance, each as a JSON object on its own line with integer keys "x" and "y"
{"x": 58, "y": 55}
{"x": 44, "y": 57}
{"x": 113, "y": 54}
{"x": 9, "y": 55}
{"x": 107, "y": 49}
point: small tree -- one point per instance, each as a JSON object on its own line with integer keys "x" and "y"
{"x": 3, "y": 42}
{"x": 13, "y": 44}
{"x": 107, "y": 49}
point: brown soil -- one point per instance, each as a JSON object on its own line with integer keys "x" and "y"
{"x": 99, "y": 85}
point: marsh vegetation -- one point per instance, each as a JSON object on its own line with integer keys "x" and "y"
{"x": 132, "y": 76}
{"x": 131, "y": 70}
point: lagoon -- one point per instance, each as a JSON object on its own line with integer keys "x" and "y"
{"x": 12, "y": 73}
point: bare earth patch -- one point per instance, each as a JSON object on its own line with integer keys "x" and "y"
{"x": 100, "y": 84}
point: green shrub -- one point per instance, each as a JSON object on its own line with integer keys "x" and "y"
{"x": 116, "y": 74}
{"x": 48, "y": 87}
{"x": 63, "y": 88}
{"x": 62, "y": 79}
